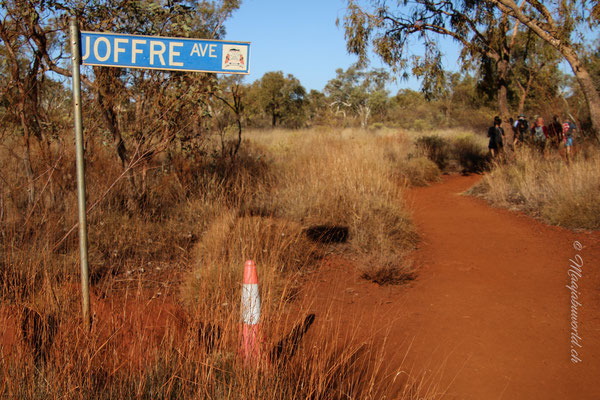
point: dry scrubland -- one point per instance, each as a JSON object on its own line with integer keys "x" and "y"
{"x": 166, "y": 270}
{"x": 561, "y": 194}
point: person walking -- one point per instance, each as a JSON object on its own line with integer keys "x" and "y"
{"x": 539, "y": 133}
{"x": 555, "y": 132}
{"x": 520, "y": 129}
{"x": 513, "y": 126}
{"x": 568, "y": 129}
{"x": 496, "y": 135}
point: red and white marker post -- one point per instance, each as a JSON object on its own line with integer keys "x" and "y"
{"x": 251, "y": 335}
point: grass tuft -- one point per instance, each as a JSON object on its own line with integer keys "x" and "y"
{"x": 547, "y": 188}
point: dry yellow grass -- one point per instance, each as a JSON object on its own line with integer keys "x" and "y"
{"x": 346, "y": 182}
{"x": 198, "y": 220}
{"x": 343, "y": 180}
{"x": 548, "y": 188}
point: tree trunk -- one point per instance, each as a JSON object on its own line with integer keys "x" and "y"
{"x": 27, "y": 153}
{"x": 29, "y": 173}
{"x": 549, "y": 33}
{"x": 502, "y": 64}
{"x": 503, "y": 90}
{"x": 522, "y": 99}
{"x": 524, "y": 93}
{"x": 587, "y": 87}
{"x": 364, "y": 114}
{"x": 110, "y": 119}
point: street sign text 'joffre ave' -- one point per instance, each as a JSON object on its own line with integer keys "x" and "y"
{"x": 155, "y": 52}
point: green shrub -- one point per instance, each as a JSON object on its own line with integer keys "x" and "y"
{"x": 420, "y": 125}
{"x": 377, "y": 126}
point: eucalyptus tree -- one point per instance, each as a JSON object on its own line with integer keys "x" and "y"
{"x": 560, "y": 23}
{"x": 482, "y": 27}
{"x": 534, "y": 70}
{"x": 282, "y": 98}
{"x": 27, "y": 38}
{"x": 359, "y": 91}
{"x": 160, "y": 106}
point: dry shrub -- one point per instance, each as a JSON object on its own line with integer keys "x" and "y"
{"x": 385, "y": 272}
{"x": 350, "y": 184}
{"x": 436, "y": 148}
{"x": 470, "y": 154}
{"x": 454, "y": 150}
{"x": 279, "y": 248}
{"x": 560, "y": 194}
{"x": 420, "y": 171}
{"x": 346, "y": 183}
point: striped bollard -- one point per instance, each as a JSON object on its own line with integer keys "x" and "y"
{"x": 250, "y": 346}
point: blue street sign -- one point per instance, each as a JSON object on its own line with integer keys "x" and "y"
{"x": 155, "y": 52}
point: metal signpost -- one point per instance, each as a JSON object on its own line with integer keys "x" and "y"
{"x": 137, "y": 51}
{"x": 75, "y": 61}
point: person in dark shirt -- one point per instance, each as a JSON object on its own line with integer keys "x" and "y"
{"x": 515, "y": 131}
{"x": 555, "y": 132}
{"x": 496, "y": 135}
{"x": 521, "y": 130}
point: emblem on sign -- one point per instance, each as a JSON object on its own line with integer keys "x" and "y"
{"x": 235, "y": 58}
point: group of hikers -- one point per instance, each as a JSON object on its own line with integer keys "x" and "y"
{"x": 543, "y": 137}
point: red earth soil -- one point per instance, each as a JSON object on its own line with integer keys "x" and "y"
{"x": 489, "y": 315}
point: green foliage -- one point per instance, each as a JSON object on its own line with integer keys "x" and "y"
{"x": 359, "y": 92}
{"x": 513, "y": 45}
{"x": 317, "y": 108}
{"x": 173, "y": 18}
{"x": 389, "y": 28}
{"x": 280, "y": 98}
{"x": 534, "y": 73}
{"x": 462, "y": 107}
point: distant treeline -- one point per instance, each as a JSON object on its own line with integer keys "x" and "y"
{"x": 138, "y": 113}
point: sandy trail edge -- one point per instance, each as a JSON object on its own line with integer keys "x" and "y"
{"x": 489, "y": 314}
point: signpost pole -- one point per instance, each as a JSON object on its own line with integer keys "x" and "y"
{"x": 83, "y": 242}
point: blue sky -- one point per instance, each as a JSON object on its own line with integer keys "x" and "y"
{"x": 301, "y": 38}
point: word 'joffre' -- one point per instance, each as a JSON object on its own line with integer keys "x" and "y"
{"x": 155, "y": 52}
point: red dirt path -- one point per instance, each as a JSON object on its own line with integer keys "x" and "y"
{"x": 489, "y": 315}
